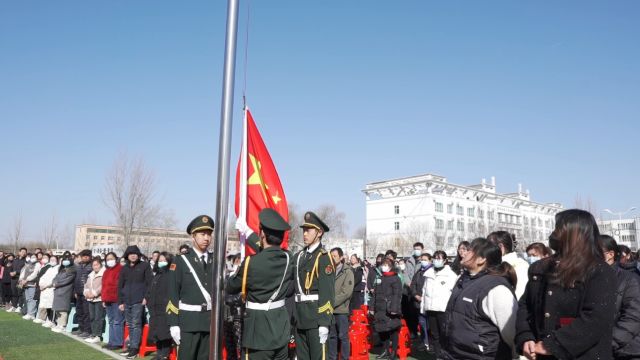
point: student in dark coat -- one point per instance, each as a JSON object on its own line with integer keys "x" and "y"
{"x": 387, "y": 309}
{"x": 626, "y": 331}
{"x": 157, "y": 298}
{"x": 568, "y": 308}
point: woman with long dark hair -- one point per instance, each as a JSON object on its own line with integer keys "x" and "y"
{"x": 506, "y": 242}
{"x": 481, "y": 312}
{"x": 463, "y": 247}
{"x": 567, "y": 311}
{"x": 387, "y": 309}
{"x": 157, "y": 298}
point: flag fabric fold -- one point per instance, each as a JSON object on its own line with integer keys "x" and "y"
{"x": 258, "y": 185}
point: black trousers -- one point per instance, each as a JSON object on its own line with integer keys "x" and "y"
{"x": 15, "y": 293}
{"x": 390, "y": 340}
{"x": 436, "y": 321}
{"x": 6, "y": 293}
{"x": 82, "y": 314}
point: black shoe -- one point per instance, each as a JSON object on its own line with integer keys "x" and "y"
{"x": 384, "y": 355}
{"x": 76, "y": 332}
{"x": 132, "y": 354}
{"x": 84, "y": 335}
{"x": 112, "y": 347}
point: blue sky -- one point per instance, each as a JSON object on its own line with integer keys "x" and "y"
{"x": 543, "y": 93}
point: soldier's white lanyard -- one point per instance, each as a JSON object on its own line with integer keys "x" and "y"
{"x": 275, "y": 294}
{"x": 205, "y": 293}
{"x": 298, "y": 272}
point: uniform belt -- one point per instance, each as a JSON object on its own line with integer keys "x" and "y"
{"x": 265, "y": 306}
{"x": 195, "y": 308}
{"x": 306, "y": 298}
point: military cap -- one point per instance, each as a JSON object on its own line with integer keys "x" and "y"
{"x": 312, "y": 220}
{"x": 201, "y": 222}
{"x": 270, "y": 219}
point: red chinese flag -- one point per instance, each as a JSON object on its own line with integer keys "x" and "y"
{"x": 260, "y": 186}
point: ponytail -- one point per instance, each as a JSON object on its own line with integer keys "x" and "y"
{"x": 506, "y": 271}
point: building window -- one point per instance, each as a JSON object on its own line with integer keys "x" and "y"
{"x": 396, "y": 209}
{"x": 450, "y": 225}
{"x": 439, "y": 224}
{"x": 439, "y": 207}
{"x": 396, "y": 225}
{"x": 449, "y": 208}
{"x": 492, "y": 215}
{"x": 471, "y": 212}
{"x": 101, "y": 237}
{"x": 95, "y": 237}
{"x": 480, "y": 214}
{"x": 539, "y": 222}
{"x": 471, "y": 227}
{"x": 88, "y": 237}
{"x": 460, "y": 226}
{"x": 459, "y": 210}
{"x": 526, "y": 220}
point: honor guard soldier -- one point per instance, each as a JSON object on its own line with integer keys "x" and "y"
{"x": 189, "y": 307}
{"x": 314, "y": 283}
{"x": 263, "y": 280}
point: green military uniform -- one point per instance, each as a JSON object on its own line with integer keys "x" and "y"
{"x": 315, "y": 281}
{"x": 188, "y": 307}
{"x": 263, "y": 280}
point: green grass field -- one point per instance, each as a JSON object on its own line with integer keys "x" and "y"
{"x": 24, "y": 340}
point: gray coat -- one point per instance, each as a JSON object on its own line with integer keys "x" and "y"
{"x": 63, "y": 282}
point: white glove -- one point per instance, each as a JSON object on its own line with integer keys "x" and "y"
{"x": 175, "y": 334}
{"x": 323, "y": 332}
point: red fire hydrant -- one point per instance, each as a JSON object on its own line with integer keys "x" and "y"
{"x": 404, "y": 341}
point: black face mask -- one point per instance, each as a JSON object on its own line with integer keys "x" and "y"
{"x": 554, "y": 243}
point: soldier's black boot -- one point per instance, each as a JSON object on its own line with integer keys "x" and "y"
{"x": 384, "y": 355}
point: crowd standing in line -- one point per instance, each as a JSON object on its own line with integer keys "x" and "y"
{"x": 578, "y": 298}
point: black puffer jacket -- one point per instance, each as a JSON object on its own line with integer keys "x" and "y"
{"x": 626, "y": 331}
{"x": 133, "y": 282}
{"x": 82, "y": 273}
{"x": 630, "y": 266}
{"x": 387, "y": 301}
{"x": 157, "y": 299}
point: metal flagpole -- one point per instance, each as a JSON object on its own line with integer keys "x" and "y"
{"x": 222, "y": 192}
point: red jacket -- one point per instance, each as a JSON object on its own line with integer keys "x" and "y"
{"x": 110, "y": 284}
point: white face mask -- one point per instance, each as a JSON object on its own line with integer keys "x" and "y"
{"x": 111, "y": 263}
{"x": 162, "y": 264}
{"x": 53, "y": 262}
{"x": 425, "y": 263}
{"x": 532, "y": 259}
{"x": 438, "y": 263}
{"x": 402, "y": 266}
{"x": 417, "y": 252}
{"x": 385, "y": 268}
{"x": 34, "y": 260}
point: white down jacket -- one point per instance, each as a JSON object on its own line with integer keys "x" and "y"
{"x": 46, "y": 287}
{"x": 436, "y": 290}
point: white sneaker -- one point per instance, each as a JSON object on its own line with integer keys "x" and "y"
{"x": 28, "y": 317}
{"x": 57, "y": 329}
{"x": 38, "y": 321}
{"x": 48, "y": 324}
{"x": 17, "y": 310}
{"x": 92, "y": 340}
{"x": 10, "y": 309}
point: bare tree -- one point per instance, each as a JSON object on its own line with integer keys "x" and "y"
{"x": 50, "y": 232}
{"x": 295, "y": 235}
{"x": 335, "y": 220}
{"x": 16, "y": 233}
{"x": 129, "y": 193}
{"x": 586, "y": 204}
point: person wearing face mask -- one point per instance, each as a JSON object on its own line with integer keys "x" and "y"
{"x": 359, "y": 281}
{"x": 481, "y": 310}
{"x": 83, "y": 269}
{"x": 438, "y": 281}
{"x": 374, "y": 277}
{"x": 416, "y": 297}
{"x": 17, "y": 293}
{"x": 387, "y": 309}
{"x": 413, "y": 262}
{"x": 93, "y": 294}
{"x": 568, "y": 308}
{"x": 45, "y": 285}
{"x": 115, "y": 316}
{"x": 157, "y": 298}
{"x": 626, "y": 342}
{"x": 62, "y": 293}
{"x": 537, "y": 251}
{"x": 6, "y": 282}
{"x": 27, "y": 281}
{"x": 506, "y": 242}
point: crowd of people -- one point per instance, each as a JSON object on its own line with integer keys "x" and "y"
{"x": 577, "y": 298}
